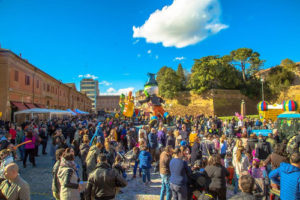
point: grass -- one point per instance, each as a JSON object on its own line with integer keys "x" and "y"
{"x": 230, "y": 117}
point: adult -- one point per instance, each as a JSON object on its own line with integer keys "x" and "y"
{"x": 288, "y": 177}
{"x": 241, "y": 164}
{"x": 196, "y": 152}
{"x": 263, "y": 148}
{"x": 55, "y": 182}
{"x": 246, "y": 185}
{"x": 103, "y": 181}
{"x": 278, "y": 156}
{"x": 170, "y": 139}
{"x": 180, "y": 172}
{"x": 251, "y": 143}
{"x": 5, "y": 159}
{"x": 19, "y": 140}
{"x": 91, "y": 158}
{"x": 162, "y": 137}
{"x": 217, "y": 174}
{"x": 44, "y": 139}
{"x": 164, "y": 170}
{"x": 13, "y": 133}
{"x": 14, "y": 187}
{"x": 29, "y": 148}
{"x": 153, "y": 144}
{"x": 184, "y": 133}
{"x": 68, "y": 177}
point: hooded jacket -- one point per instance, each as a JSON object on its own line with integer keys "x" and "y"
{"x": 289, "y": 181}
{"x": 263, "y": 150}
{"x": 145, "y": 160}
{"x": 251, "y": 145}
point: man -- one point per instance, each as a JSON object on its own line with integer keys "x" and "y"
{"x": 44, "y": 138}
{"x": 152, "y": 138}
{"x": 14, "y": 187}
{"x": 184, "y": 133}
{"x": 271, "y": 140}
{"x": 246, "y": 184}
{"x": 288, "y": 177}
{"x": 162, "y": 138}
{"x": 263, "y": 149}
{"x": 164, "y": 169}
{"x": 103, "y": 181}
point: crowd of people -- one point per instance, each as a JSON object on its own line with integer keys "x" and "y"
{"x": 196, "y": 157}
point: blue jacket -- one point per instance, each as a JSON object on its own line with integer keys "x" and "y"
{"x": 145, "y": 160}
{"x": 152, "y": 138}
{"x": 289, "y": 181}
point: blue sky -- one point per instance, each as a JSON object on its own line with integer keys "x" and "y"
{"x": 94, "y": 38}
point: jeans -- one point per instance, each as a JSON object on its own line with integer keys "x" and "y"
{"x": 21, "y": 152}
{"x": 165, "y": 187}
{"x": 30, "y": 153}
{"x": 136, "y": 164}
{"x": 179, "y": 192}
{"x": 236, "y": 183}
{"x": 146, "y": 174}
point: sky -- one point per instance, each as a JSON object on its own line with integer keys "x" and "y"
{"x": 118, "y": 42}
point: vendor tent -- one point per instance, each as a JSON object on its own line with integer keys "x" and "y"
{"x": 71, "y": 111}
{"x": 50, "y": 112}
{"x": 81, "y": 112}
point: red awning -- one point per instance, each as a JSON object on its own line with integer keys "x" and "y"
{"x": 30, "y": 105}
{"x": 19, "y": 105}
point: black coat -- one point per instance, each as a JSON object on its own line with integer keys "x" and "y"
{"x": 217, "y": 176}
{"x": 196, "y": 153}
{"x": 251, "y": 145}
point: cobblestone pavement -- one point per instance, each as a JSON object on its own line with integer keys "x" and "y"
{"x": 40, "y": 178}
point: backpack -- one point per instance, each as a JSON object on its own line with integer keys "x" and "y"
{"x": 291, "y": 146}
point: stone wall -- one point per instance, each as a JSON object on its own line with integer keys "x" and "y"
{"x": 214, "y": 102}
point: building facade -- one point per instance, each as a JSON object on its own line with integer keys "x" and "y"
{"x": 108, "y": 103}
{"x": 24, "y": 86}
{"x": 91, "y": 88}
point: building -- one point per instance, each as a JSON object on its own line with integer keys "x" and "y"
{"x": 24, "y": 86}
{"x": 108, "y": 103}
{"x": 91, "y": 88}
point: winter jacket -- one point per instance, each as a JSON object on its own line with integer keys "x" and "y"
{"x": 241, "y": 166}
{"x": 217, "y": 175}
{"x": 171, "y": 141}
{"x": 251, "y": 145}
{"x": 91, "y": 158}
{"x": 84, "y": 150}
{"x": 18, "y": 189}
{"x": 152, "y": 138}
{"x": 102, "y": 183}
{"x": 275, "y": 160}
{"x": 196, "y": 152}
{"x": 180, "y": 172}
{"x": 185, "y": 135}
{"x": 55, "y": 182}
{"x": 68, "y": 180}
{"x": 289, "y": 181}
{"x": 145, "y": 160}
{"x": 164, "y": 162}
{"x": 243, "y": 196}
{"x": 30, "y": 145}
{"x": 207, "y": 148}
{"x": 9, "y": 159}
{"x": 263, "y": 150}
{"x": 161, "y": 138}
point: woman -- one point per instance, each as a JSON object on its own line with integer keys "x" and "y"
{"x": 55, "y": 182}
{"x": 170, "y": 139}
{"x": 241, "y": 164}
{"x": 180, "y": 172}
{"x": 68, "y": 177}
{"x": 13, "y": 133}
{"x": 217, "y": 174}
{"x": 278, "y": 156}
{"x": 196, "y": 153}
{"x": 178, "y": 138}
{"x": 29, "y": 148}
{"x": 84, "y": 149}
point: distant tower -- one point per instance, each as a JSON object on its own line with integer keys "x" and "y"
{"x": 90, "y": 87}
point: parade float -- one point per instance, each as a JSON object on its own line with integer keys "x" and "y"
{"x": 155, "y": 103}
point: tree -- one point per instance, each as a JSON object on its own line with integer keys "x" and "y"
{"x": 288, "y": 64}
{"x": 248, "y": 61}
{"x": 168, "y": 82}
{"x": 182, "y": 78}
{"x": 212, "y": 72}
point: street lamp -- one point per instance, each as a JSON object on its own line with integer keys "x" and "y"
{"x": 262, "y": 87}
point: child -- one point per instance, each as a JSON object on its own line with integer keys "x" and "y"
{"x": 135, "y": 157}
{"x": 257, "y": 170}
{"x": 145, "y": 164}
{"x": 118, "y": 168}
{"x": 230, "y": 169}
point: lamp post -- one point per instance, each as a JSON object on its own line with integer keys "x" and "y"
{"x": 262, "y": 87}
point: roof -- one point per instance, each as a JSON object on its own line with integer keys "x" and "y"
{"x": 289, "y": 115}
{"x": 71, "y": 85}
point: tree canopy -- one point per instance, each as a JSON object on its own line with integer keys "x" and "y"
{"x": 168, "y": 82}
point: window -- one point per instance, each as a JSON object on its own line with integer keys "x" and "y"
{"x": 16, "y": 75}
{"x": 48, "y": 88}
{"x": 44, "y": 86}
{"x": 37, "y": 84}
{"x": 55, "y": 90}
{"x": 27, "y": 80}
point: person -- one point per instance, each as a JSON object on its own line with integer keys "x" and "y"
{"x": 153, "y": 143}
{"x": 164, "y": 170}
{"x": 55, "y": 182}
{"x": 145, "y": 159}
{"x": 288, "y": 177}
{"x": 246, "y": 185}
{"x": 180, "y": 172}
{"x": 196, "y": 152}
{"x": 5, "y": 141}
{"x": 14, "y": 187}
{"x": 278, "y": 156}
{"x": 13, "y": 133}
{"x": 217, "y": 174}
{"x": 162, "y": 137}
{"x": 251, "y": 143}
{"x": 135, "y": 158}
{"x": 29, "y": 148}
{"x": 84, "y": 149}
{"x": 170, "y": 139}
{"x": 44, "y": 138}
{"x": 241, "y": 164}
{"x": 271, "y": 140}
{"x": 103, "y": 181}
{"x": 5, "y": 158}
{"x": 263, "y": 148}
{"x": 184, "y": 133}
{"x": 19, "y": 140}
{"x": 91, "y": 158}
{"x": 68, "y": 177}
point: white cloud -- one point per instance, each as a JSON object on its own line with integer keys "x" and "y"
{"x": 183, "y": 23}
{"x": 112, "y": 91}
{"x": 136, "y": 41}
{"x": 88, "y": 76}
{"x": 179, "y": 58}
{"x": 105, "y": 83}
{"x": 149, "y": 51}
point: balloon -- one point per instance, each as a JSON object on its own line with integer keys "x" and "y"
{"x": 290, "y": 105}
{"x": 129, "y": 106}
{"x": 262, "y": 106}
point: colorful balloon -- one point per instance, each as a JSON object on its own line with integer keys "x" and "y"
{"x": 262, "y": 106}
{"x": 290, "y": 105}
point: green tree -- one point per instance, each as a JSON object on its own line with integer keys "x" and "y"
{"x": 168, "y": 82}
{"x": 212, "y": 72}
{"x": 182, "y": 78}
{"x": 247, "y": 60}
{"x": 288, "y": 64}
